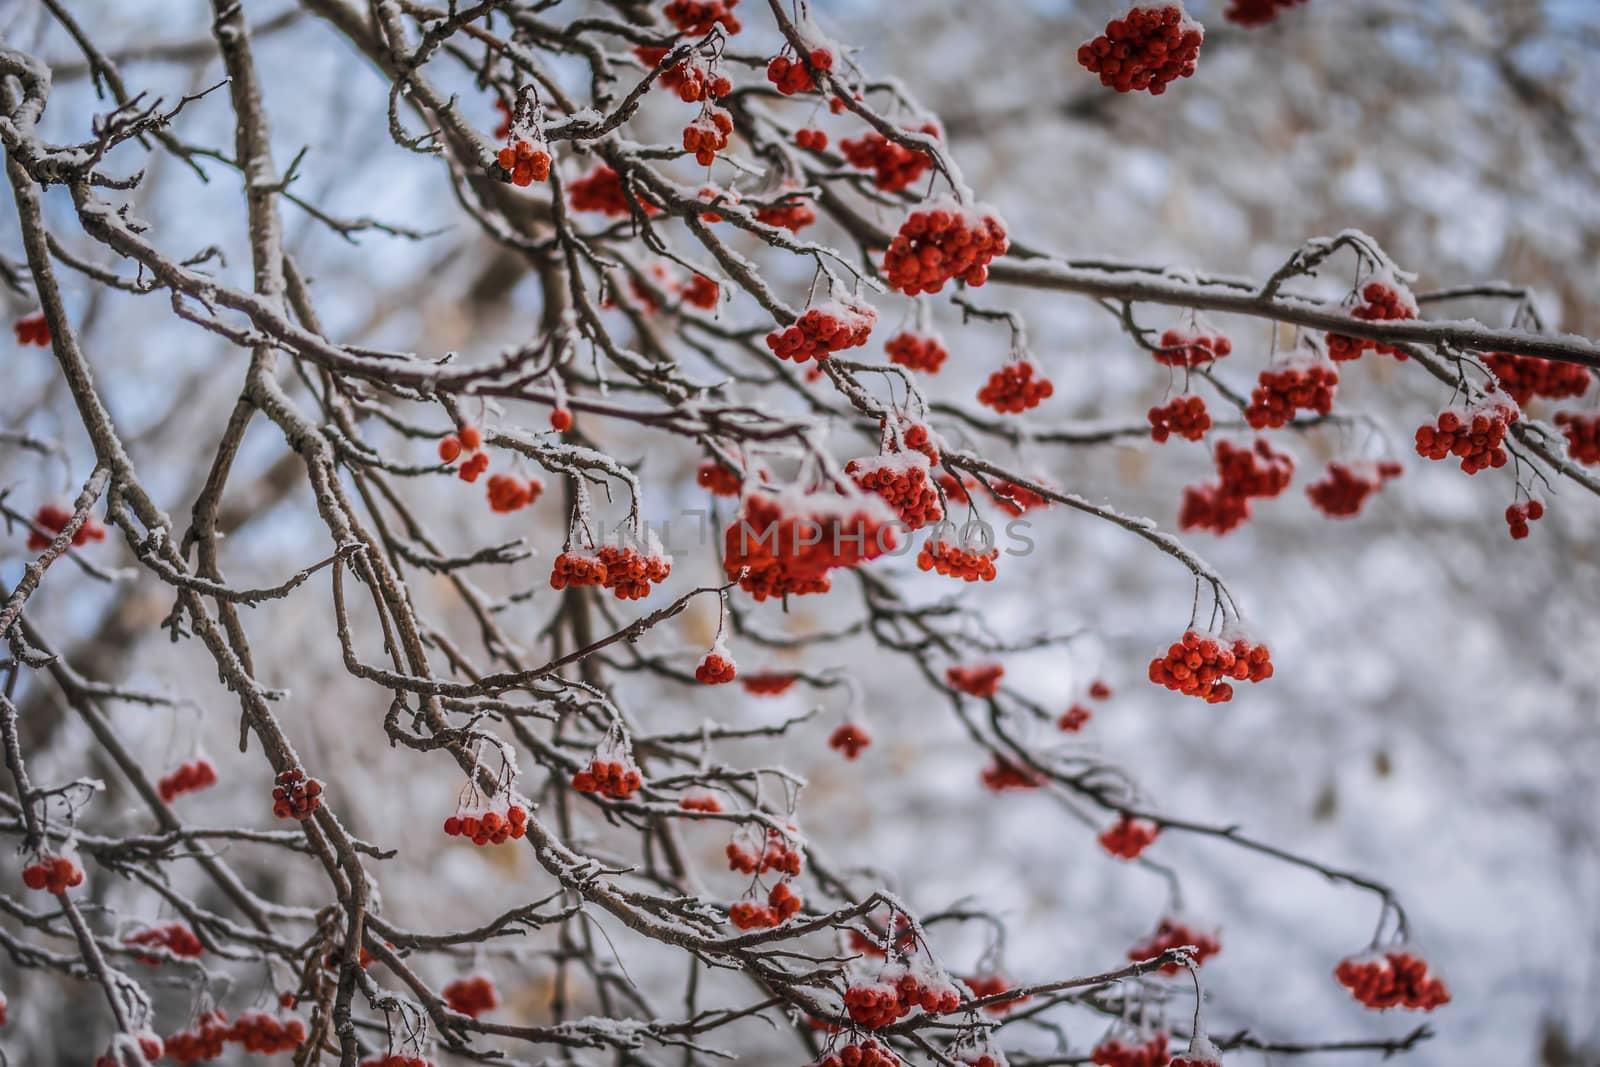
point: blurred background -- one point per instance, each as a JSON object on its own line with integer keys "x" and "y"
{"x": 1433, "y": 720}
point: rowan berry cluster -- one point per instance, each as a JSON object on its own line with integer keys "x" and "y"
{"x": 716, "y": 669}
{"x": 467, "y": 441}
{"x": 1074, "y": 719}
{"x": 1525, "y": 377}
{"x": 849, "y": 740}
{"x": 941, "y": 242}
{"x": 296, "y": 796}
{"x": 1128, "y": 837}
{"x": 979, "y": 680}
{"x": 1114, "y": 1052}
{"x": 601, "y": 190}
{"x": 612, "y": 778}
{"x": 1583, "y": 435}
{"x": 1199, "y": 666}
{"x": 1244, "y": 474}
{"x": 720, "y": 480}
{"x": 696, "y": 18}
{"x": 778, "y": 854}
{"x": 1185, "y": 416}
{"x": 894, "y": 167}
{"x": 692, "y": 80}
{"x": 1015, "y": 499}
{"x": 786, "y": 544}
{"x": 1015, "y": 388}
{"x": 508, "y": 493}
{"x": 1190, "y": 1059}
{"x": 1519, "y": 515}
{"x": 1382, "y": 301}
{"x": 1144, "y": 50}
{"x": 1171, "y": 934}
{"x": 522, "y": 164}
{"x": 1296, "y": 385}
{"x": 782, "y": 904}
{"x": 867, "y": 1052}
{"x": 1100, "y": 689}
{"x": 625, "y": 570}
{"x": 991, "y": 985}
{"x": 702, "y": 801}
{"x": 150, "y": 1046}
{"x": 1003, "y": 776}
{"x": 1256, "y": 12}
{"x": 708, "y": 134}
{"x": 472, "y": 996}
{"x": 1475, "y": 435}
{"x": 945, "y": 557}
{"x": 267, "y": 1034}
{"x": 831, "y": 326}
{"x": 799, "y": 75}
{"x": 922, "y": 352}
{"x": 901, "y": 480}
{"x": 1184, "y": 348}
{"x": 176, "y": 938}
{"x": 702, "y": 292}
{"x": 792, "y": 213}
{"x": 33, "y": 330}
{"x": 897, "y": 993}
{"x": 768, "y": 683}
{"x": 489, "y": 827}
{"x": 1345, "y": 488}
{"x": 188, "y": 778}
{"x": 1393, "y": 980}
{"x": 54, "y": 518}
{"x": 812, "y": 140}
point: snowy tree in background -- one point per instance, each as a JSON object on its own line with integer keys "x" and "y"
{"x": 665, "y": 532}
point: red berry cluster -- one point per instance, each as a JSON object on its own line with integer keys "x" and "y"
{"x": 54, "y": 519}
{"x": 798, "y": 75}
{"x": 1395, "y": 980}
{"x": 831, "y": 326}
{"x": 1002, "y": 776}
{"x": 990, "y": 985}
{"x": 812, "y": 140}
{"x": 702, "y": 292}
{"x": 1171, "y": 934}
{"x": 897, "y": 993}
{"x": 777, "y": 854}
{"x": 782, "y": 904}
{"x": 850, "y": 739}
{"x": 919, "y": 438}
{"x": 792, "y": 213}
{"x": 1345, "y": 488}
{"x": 1382, "y": 302}
{"x": 508, "y": 493}
{"x": 609, "y": 778}
{"x": 901, "y": 480}
{"x": 176, "y": 938}
{"x": 708, "y": 135}
{"x": 719, "y": 479}
{"x": 296, "y": 796}
{"x": 877, "y": 946}
{"x": 1244, "y": 474}
{"x": 716, "y": 669}
{"x": 1074, "y": 719}
{"x": 489, "y": 828}
{"x": 894, "y": 166}
{"x": 1526, "y": 377}
{"x": 467, "y": 441}
{"x": 1180, "y": 348}
{"x": 1192, "y": 1060}
{"x": 1475, "y": 435}
{"x": 768, "y": 683}
{"x": 53, "y": 874}
{"x": 1185, "y": 416}
{"x": 33, "y": 330}
{"x": 696, "y": 18}
{"x": 953, "y": 561}
{"x": 700, "y": 801}
{"x": 601, "y": 190}
{"x": 984, "y": 1059}
{"x": 472, "y": 996}
{"x": 1015, "y": 388}
{"x": 188, "y": 778}
{"x": 523, "y": 164}
{"x": 691, "y": 79}
{"x": 149, "y": 1044}
{"x": 1583, "y": 435}
{"x": 1298, "y": 385}
{"x": 1519, "y": 515}
{"x": 922, "y": 352}
{"x": 786, "y": 545}
{"x": 1199, "y": 665}
{"x": 205, "y": 1042}
{"x": 1144, "y": 50}
{"x": 1128, "y": 837}
{"x": 865, "y": 1053}
{"x": 1256, "y": 12}
{"x": 623, "y": 569}
{"x": 981, "y": 680}
{"x": 1114, "y": 1052}
{"x": 576, "y": 569}
{"x": 1100, "y": 689}
{"x": 1014, "y": 499}
{"x": 395, "y": 1059}
{"x": 267, "y": 1034}
{"x": 942, "y": 242}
